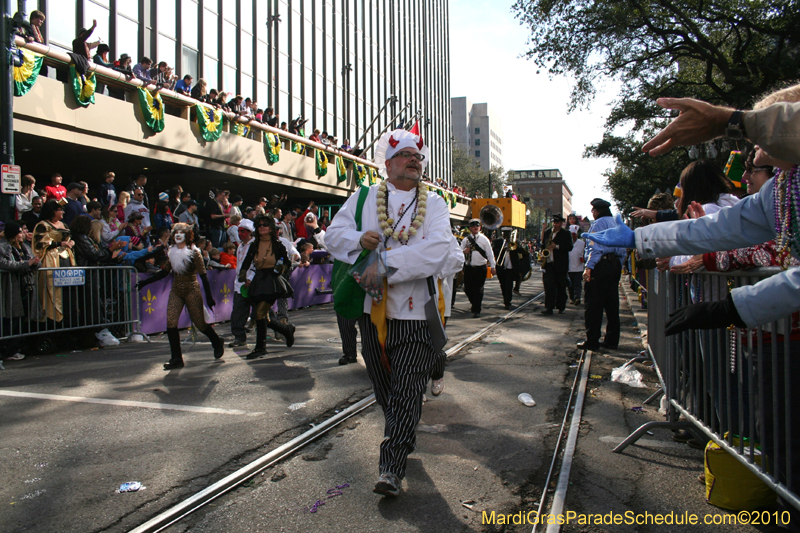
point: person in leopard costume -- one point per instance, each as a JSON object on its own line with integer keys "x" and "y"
{"x": 185, "y": 262}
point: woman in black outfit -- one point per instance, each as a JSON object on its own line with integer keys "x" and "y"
{"x": 262, "y": 273}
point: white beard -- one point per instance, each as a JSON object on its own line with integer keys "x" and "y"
{"x": 181, "y": 258}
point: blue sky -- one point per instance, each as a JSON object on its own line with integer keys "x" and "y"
{"x": 486, "y": 43}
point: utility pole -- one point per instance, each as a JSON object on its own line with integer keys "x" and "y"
{"x": 6, "y": 106}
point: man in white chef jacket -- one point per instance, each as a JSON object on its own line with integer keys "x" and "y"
{"x": 411, "y": 228}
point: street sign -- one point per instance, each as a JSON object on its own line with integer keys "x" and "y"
{"x": 10, "y": 181}
{"x": 69, "y": 277}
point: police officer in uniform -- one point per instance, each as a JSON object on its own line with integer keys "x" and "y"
{"x": 601, "y": 283}
{"x": 559, "y": 242}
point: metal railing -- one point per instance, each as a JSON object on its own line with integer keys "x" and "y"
{"x": 56, "y": 300}
{"x": 733, "y": 386}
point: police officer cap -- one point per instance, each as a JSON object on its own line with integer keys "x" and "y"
{"x": 599, "y": 203}
{"x": 475, "y": 222}
{"x": 558, "y": 218}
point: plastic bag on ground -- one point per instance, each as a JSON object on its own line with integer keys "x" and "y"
{"x": 629, "y": 375}
{"x": 106, "y": 338}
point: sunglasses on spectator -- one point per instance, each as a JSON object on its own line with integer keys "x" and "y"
{"x": 406, "y": 155}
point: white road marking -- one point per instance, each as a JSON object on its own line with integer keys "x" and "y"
{"x": 128, "y": 403}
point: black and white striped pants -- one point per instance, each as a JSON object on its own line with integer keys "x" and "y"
{"x": 399, "y": 392}
{"x": 437, "y": 370}
{"x": 347, "y": 330}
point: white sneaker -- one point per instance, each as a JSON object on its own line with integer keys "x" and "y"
{"x": 16, "y": 357}
{"x": 437, "y": 386}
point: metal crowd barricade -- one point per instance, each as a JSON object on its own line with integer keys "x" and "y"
{"x": 733, "y": 386}
{"x": 67, "y": 299}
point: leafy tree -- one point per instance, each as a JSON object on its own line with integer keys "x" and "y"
{"x": 467, "y": 171}
{"x": 722, "y": 51}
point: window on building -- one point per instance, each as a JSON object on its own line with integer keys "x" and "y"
{"x": 477, "y": 153}
{"x": 189, "y": 24}
{"x": 127, "y": 7}
{"x": 477, "y": 130}
{"x": 550, "y": 202}
{"x": 541, "y": 202}
{"x": 551, "y": 190}
{"x": 541, "y": 190}
{"x": 93, "y": 11}
{"x": 127, "y": 36}
{"x": 477, "y": 142}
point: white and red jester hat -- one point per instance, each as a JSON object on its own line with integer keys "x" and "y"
{"x": 392, "y": 142}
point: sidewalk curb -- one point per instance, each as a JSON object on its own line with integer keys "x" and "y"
{"x": 639, "y": 313}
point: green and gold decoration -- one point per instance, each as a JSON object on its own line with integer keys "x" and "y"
{"x": 25, "y": 75}
{"x": 83, "y": 86}
{"x": 237, "y": 128}
{"x": 361, "y": 173}
{"x": 272, "y": 147}
{"x": 321, "y": 159}
{"x": 298, "y": 148}
{"x": 152, "y": 109}
{"x": 210, "y": 122}
{"x": 341, "y": 170}
{"x": 373, "y": 176}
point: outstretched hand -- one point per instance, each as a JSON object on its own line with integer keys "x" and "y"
{"x": 698, "y": 122}
{"x": 704, "y": 315}
{"x": 620, "y": 236}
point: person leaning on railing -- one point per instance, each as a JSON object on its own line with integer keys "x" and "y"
{"x": 17, "y": 301}
{"x": 776, "y": 129}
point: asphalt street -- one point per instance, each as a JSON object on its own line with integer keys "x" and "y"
{"x": 78, "y": 424}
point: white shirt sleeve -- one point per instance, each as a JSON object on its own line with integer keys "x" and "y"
{"x": 455, "y": 261}
{"x": 342, "y": 237}
{"x": 489, "y": 252}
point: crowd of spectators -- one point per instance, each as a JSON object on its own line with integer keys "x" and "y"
{"x": 97, "y": 225}
{"x": 132, "y": 216}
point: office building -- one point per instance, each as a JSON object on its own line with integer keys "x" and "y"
{"x": 546, "y": 189}
{"x": 478, "y": 131}
{"x": 334, "y": 62}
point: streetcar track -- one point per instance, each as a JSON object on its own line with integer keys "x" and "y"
{"x": 576, "y": 409}
{"x": 188, "y": 506}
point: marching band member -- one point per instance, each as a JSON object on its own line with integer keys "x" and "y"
{"x": 478, "y": 253}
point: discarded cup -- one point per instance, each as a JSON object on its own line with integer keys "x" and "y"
{"x": 130, "y": 486}
{"x": 526, "y": 399}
